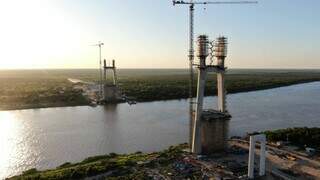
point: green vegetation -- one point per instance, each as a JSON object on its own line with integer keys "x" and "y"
{"x": 37, "y": 89}
{"x": 22, "y": 89}
{"x": 164, "y": 87}
{"x": 173, "y": 163}
{"x": 113, "y": 166}
{"x": 297, "y": 136}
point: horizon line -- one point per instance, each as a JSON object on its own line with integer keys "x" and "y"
{"x": 27, "y": 69}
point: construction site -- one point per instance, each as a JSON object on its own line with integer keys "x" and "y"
{"x": 210, "y": 153}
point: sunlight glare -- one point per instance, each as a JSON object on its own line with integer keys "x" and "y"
{"x": 36, "y": 34}
{"x": 8, "y": 134}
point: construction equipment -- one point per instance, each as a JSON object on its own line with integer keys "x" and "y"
{"x": 214, "y": 2}
{"x": 100, "y": 44}
{"x": 192, "y": 4}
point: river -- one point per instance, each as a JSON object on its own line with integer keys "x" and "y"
{"x": 46, "y": 138}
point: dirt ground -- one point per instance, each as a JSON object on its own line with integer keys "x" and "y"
{"x": 287, "y": 164}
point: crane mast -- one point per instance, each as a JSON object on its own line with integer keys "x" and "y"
{"x": 191, "y": 62}
{"x": 191, "y": 4}
{"x": 100, "y": 44}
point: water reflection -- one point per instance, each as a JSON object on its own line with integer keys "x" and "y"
{"x": 46, "y": 138}
{"x": 19, "y": 146}
{"x": 8, "y": 131}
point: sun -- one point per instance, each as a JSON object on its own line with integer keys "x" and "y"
{"x": 37, "y": 33}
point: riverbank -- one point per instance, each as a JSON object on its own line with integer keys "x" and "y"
{"x": 300, "y": 137}
{"x": 147, "y": 127}
{"x": 177, "y": 163}
{"x": 114, "y": 166}
{"x": 35, "y": 89}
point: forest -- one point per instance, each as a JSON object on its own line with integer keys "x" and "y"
{"x": 25, "y": 89}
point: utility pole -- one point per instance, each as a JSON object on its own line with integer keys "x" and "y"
{"x": 192, "y": 4}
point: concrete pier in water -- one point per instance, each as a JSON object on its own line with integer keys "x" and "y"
{"x": 214, "y": 131}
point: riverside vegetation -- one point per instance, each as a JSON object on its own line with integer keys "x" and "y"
{"x": 114, "y": 166}
{"x": 24, "y": 89}
{"x": 170, "y": 163}
{"x": 300, "y": 137}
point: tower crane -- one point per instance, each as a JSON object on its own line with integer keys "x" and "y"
{"x": 100, "y": 44}
{"x": 192, "y": 4}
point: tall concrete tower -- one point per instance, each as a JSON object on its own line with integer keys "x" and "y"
{"x": 203, "y": 44}
{"x": 111, "y": 93}
{"x": 210, "y": 127}
{"x": 220, "y": 52}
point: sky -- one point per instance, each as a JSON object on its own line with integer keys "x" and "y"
{"x": 154, "y": 34}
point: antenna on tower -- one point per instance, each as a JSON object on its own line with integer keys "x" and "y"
{"x": 192, "y": 4}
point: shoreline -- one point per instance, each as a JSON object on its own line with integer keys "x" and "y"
{"x": 234, "y": 91}
{"x": 178, "y": 162}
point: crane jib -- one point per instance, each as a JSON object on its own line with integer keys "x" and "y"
{"x": 215, "y": 2}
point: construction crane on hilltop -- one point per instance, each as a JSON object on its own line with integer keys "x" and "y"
{"x": 191, "y": 4}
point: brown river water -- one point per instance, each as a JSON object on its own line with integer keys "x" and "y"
{"x": 46, "y": 138}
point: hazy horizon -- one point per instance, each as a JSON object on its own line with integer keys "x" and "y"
{"x": 156, "y": 69}
{"x": 58, "y": 34}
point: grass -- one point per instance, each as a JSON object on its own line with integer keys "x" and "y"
{"x": 23, "y": 89}
{"x": 113, "y": 166}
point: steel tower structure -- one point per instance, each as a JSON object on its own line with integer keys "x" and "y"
{"x": 100, "y": 44}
